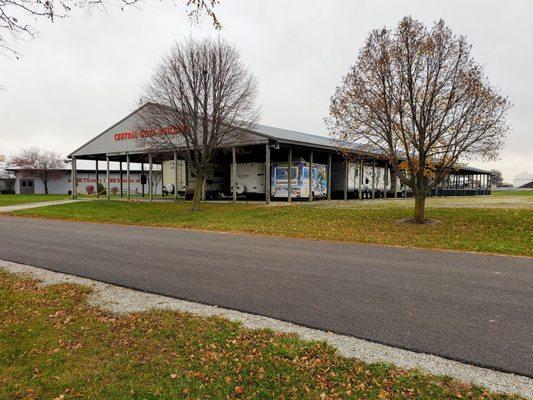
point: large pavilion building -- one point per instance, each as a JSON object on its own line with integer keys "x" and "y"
{"x": 257, "y": 166}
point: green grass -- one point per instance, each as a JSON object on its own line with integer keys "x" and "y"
{"x": 469, "y": 226}
{"x": 12, "y": 199}
{"x": 54, "y": 346}
{"x": 524, "y": 192}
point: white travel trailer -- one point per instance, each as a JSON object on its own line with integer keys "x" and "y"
{"x": 365, "y": 176}
{"x": 214, "y": 187}
{"x": 169, "y": 181}
{"x": 250, "y": 179}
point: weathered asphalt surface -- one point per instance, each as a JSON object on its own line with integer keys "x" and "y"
{"x": 468, "y": 307}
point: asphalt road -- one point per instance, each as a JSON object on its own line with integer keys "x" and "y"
{"x": 468, "y": 307}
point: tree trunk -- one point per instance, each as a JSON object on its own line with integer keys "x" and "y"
{"x": 198, "y": 189}
{"x": 45, "y": 182}
{"x": 420, "y": 205}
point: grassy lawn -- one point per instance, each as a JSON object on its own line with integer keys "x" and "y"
{"x": 526, "y": 193}
{"x": 53, "y": 345}
{"x": 11, "y": 199}
{"x": 490, "y": 224}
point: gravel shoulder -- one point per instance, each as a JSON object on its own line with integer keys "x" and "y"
{"x": 121, "y": 300}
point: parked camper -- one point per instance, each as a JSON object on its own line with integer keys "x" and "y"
{"x": 169, "y": 181}
{"x": 250, "y": 179}
{"x": 299, "y": 180}
{"x": 214, "y": 185}
{"x": 338, "y": 171}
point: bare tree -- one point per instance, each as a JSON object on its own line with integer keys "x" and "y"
{"x": 202, "y": 98}
{"x": 497, "y": 177}
{"x": 43, "y": 164}
{"x": 417, "y": 96}
{"x": 18, "y": 16}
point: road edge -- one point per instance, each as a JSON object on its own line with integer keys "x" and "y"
{"x": 118, "y": 299}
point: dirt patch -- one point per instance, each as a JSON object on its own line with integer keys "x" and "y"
{"x": 411, "y": 221}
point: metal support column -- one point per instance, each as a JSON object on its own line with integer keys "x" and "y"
{"x": 329, "y": 176}
{"x": 373, "y": 179}
{"x": 361, "y": 177}
{"x": 121, "y": 179}
{"x": 96, "y": 179}
{"x": 289, "y": 177}
{"x": 346, "y": 174}
{"x": 311, "y": 175}
{"x": 74, "y": 179}
{"x": 393, "y": 174}
{"x": 142, "y": 184}
{"x": 150, "y": 176}
{"x": 175, "y": 175}
{"x": 128, "y": 177}
{"x": 267, "y": 174}
{"x": 107, "y": 177}
{"x": 234, "y": 173}
{"x": 386, "y": 180}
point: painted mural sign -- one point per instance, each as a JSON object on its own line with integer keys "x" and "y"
{"x": 299, "y": 180}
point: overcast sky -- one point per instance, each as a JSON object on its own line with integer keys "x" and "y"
{"x": 87, "y": 72}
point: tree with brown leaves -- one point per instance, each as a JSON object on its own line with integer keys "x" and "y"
{"x": 18, "y": 16}
{"x": 43, "y": 164}
{"x": 201, "y": 99}
{"x": 417, "y": 96}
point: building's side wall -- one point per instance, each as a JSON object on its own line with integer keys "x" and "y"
{"x": 86, "y": 183}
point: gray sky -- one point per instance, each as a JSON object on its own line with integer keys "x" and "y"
{"x": 85, "y": 73}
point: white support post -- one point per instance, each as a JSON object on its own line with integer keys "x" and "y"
{"x": 386, "y": 180}
{"x": 150, "y": 177}
{"x": 267, "y": 174}
{"x": 74, "y": 179}
{"x": 142, "y": 184}
{"x": 234, "y": 173}
{"x": 361, "y": 177}
{"x": 373, "y": 179}
{"x": 121, "y": 180}
{"x": 289, "y": 177}
{"x": 107, "y": 177}
{"x": 97, "y": 180}
{"x": 329, "y": 176}
{"x": 395, "y": 183}
{"x": 128, "y": 177}
{"x": 311, "y": 176}
{"x": 175, "y": 175}
{"x": 346, "y": 174}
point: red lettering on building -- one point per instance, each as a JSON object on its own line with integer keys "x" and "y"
{"x": 147, "y": 133}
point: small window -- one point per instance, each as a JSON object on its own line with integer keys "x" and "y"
{"x": 367, "y": 181}
{"x": 30, "y": 183}
{"x": 23, "y": 183}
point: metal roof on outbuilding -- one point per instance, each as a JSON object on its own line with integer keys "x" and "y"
{"x": 105, "y": 143}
